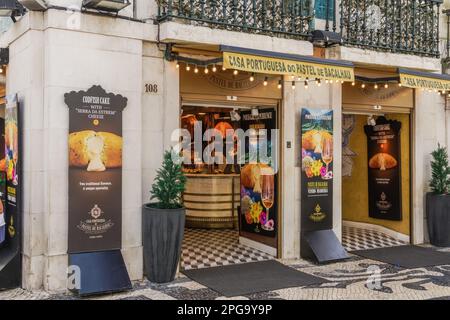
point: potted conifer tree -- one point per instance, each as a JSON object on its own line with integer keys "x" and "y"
{"x": 438, "y": 201}
{"x": 163, "y": 221}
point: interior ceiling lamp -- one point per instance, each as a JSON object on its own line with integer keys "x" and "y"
{"x": 34, "y": 5}
{"x": 11, "y": 8}
{"x": 106, "y": 5}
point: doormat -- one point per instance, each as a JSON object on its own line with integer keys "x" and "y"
{"x": 409, "y": 257}
{"x": 247, "y": 278}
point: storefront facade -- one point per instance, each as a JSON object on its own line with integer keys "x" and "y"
{"x": 49, "y": 58}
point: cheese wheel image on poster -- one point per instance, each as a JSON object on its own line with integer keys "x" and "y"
{"x": 382, "y": 161}
{"x": 95, "y": 151}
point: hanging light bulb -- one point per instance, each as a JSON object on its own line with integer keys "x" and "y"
{"x": 206, "y": 70}
{"x": 224, "y": 69}
{"x": 327, "y": 81}
{"x": 292, "y": 78}
{"x": 399, "y": 84}
{"x": 188, "y": 67}
{"x": 178, "y": 65}
{"x": 252, "y": 77}
{"x": 342, "y": 81}
{"x": 293, "y": 85}
{"x": 306, "y": 84}
{"x": 319, "y": 82}
{"x": 196, "y": 69}
{"x": 353, "y": 83}
{"x": 279, "y": 84}
{"x": 235, "y": 72}
{"x": 375, "y": 86}
{"x": 265, "y": 81}
{"x": 331, "y": 81}
{"x": 363, "y": 85}
{"x": 386, "y": 86}
{"x": 214, "y": 68}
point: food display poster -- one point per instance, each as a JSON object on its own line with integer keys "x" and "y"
{"x": 383, "y": 147}
{"x": 317, "y": 169}
{"x": 95, "y": 170}
{"x": 259, "y": 207}
{"x": 11, "y": 197}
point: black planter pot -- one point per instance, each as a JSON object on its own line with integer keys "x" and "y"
{"x": 162, "y": 235}
{"x": 438, "y": 218}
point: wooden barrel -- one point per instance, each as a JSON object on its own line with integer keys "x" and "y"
{"x": 211, "y": 200}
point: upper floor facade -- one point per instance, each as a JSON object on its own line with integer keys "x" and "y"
{"x": 407, "y": 27}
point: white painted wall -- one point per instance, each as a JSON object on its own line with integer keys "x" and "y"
{"x": 323, "y": 97}
{"x": 429, "y": 130}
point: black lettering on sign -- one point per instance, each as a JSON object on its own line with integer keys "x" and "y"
{"x": 151, "y": 88}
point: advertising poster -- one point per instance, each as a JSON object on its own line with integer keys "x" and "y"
{"x": 95, "y": 170}
{"x": 383, "y": 146}
{"x": 259, "y": 208}
{"x": 10, "y": 194}
{"x": 317, "y": 169}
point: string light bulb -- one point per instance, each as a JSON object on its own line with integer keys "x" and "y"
{"x": 252, "y": 77}
{"x": 178, "y": 65}
{"x": 196, "y": 69}
{"x": 214, "y": 68}
{"x": 224, "y": 69}
{"x": 375, "y": 86}
{"x": 235, "y": 72}
{"x": 265, "y": 81}
{"x": 327, "y": 81}
{"x": 363, "y": 85}
{"x": 386, "y": 86}
{"x": 353, "y": 83}
{"x": 279, "y": 84}
{"x": 188, "y": 67}
{"x": 319, "y": 82}
{"x": 293, "y": 85}
{"x": 306, "y": 84}
{"x": 399, "y": 84}
{"x": 206, "y": 70}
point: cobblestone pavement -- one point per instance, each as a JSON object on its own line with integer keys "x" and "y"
{"x": 347, "y": 280}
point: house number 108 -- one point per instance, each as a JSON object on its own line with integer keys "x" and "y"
{"x": 151, "y": 88}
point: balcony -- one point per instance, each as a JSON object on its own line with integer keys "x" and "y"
{"x": 284, "y": 18}
{"x": 399, "y": 26}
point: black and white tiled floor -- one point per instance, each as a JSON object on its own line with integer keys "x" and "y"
{"x": 211, "y": 248}
{"x": 354, "y": 238}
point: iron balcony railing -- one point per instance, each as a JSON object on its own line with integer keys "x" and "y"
{"x": 292, "y": 18}
{"x": 400, "y": 26}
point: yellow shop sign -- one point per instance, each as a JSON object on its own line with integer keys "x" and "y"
{"x": 309, "y": 68}
{"x": 422, "y": 80}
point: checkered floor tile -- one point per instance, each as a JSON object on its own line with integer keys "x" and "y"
{"x": 360, "y": 239}
{"x": 211, "y": 248}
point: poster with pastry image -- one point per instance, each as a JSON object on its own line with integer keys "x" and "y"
{"x": 317, "y": 169}
{"x": 383, "y": 146}
{"x": 259, "y": 206}
{"x": 11, "y": 197}
{"x": 95, "y": 146}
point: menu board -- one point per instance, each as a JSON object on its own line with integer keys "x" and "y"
{"x": 11, "y": 197}
{"x": 383, "y": 146}
{"x": 317, "y": 169}
{"x": 259, "y": 207}
{"x": 95, "y": 170}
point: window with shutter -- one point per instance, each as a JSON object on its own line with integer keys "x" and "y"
{"x": 320, "y": 7}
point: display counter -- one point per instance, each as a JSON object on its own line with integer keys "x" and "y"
{"x": 211, "y": 200}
